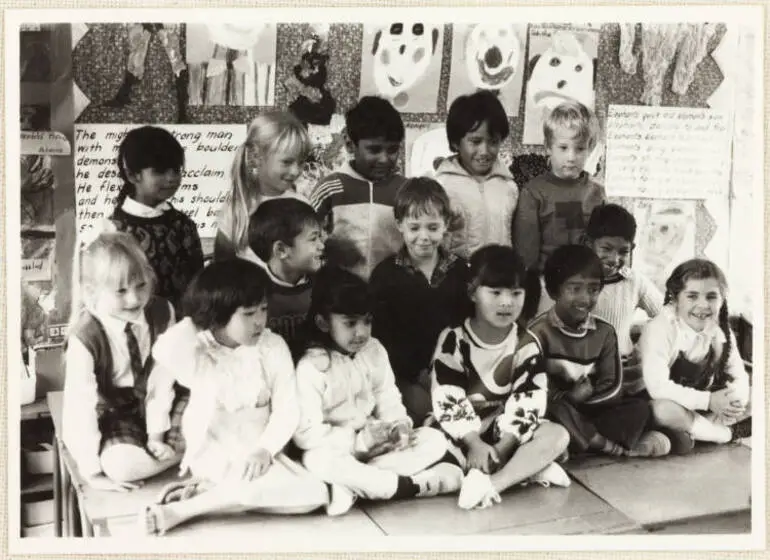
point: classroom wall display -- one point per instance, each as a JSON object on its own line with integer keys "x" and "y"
{"x": 35, "y": 55}
{"x": 665, "y": 237}
{"x": 232, "y": 63}
{"x": 561, "y": 66}
{"x": 209, "y": 151}
{"x": 328, "y": 151}
{"x": 488, "y": 56}
{"x": 667, "y": 152}
{"x": 424, "y": 146}
{"x": 37, "y": 192}
{"x": 402, "y": 62}
{"x": 308, "y": 94}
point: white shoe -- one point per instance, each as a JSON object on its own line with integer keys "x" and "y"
{"x": 444, "y": 478}
{"x": 477, "y": 491}
{"x": 552, "y": 475}
{"x": 340, "y": 500}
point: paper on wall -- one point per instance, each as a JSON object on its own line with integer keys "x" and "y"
{"x": 667, "y": 152}
{"x": 209, "y": 152}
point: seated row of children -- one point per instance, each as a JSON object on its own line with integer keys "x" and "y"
{"x": 418, "y": 371}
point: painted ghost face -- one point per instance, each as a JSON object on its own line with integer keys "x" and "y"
{"x": 492, "y": 54}
{"x": 563, "y": 72}
{"x": 402, "y": 55}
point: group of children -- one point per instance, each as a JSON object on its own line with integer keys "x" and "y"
{"x": 385, "y": 337}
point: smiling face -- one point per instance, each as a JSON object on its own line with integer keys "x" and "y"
{"x": 244, "y": 327}
{"x": 568, "y": 153}
{"x": 614, "y": 252}
{"x": 375, "y": 158}
{"x": 699, "y": 302}
{"x": 153, "y": 186}
{"x": 478, "y": 150}
{"x": 350, "y": 332}
{"x": 124, "y": 300}
{"x": 306, "y": 253}
{"x": 577, "y": 298}
{"x": 422, "y": 234}
{"x": 277, "y": 172}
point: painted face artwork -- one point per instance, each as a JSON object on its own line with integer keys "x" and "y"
{"x": 492, "y": 55}
{"x": 244, "y": 327}
{"x": 402, "y": 54}
{"x": 577, "y": 298}
{"x": 562, "y": 73}
{"x": 422, "y": 234}
{"x": 699, "y": 302}
{"x": 350, "y": 332}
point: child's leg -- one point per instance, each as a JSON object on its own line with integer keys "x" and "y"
{"x": 547, "y": 443}
{"x": 583, "y": 434}
{"x": 625, "y": 423}
{"x": 672, "y": 415}
{"x": 429, "y": 447}
{"x": 125, "y": 462}
{"x": 417, "y": 401}
{"x": 285, "y": 489}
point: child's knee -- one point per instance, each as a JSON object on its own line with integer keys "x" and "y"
{"x": 431, "y": 441}
{"x": 321, "y": 462}
{"x": 124, "y": 462}
{"x": 553, "y": 435}
{"x": 668, "y": 413}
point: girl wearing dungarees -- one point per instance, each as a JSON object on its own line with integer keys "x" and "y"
{"x": 690, "y": 362}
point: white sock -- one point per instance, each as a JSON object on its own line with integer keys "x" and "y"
{"x": 705, "y": 430}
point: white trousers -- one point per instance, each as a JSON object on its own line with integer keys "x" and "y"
{"x": 376, "y": 479}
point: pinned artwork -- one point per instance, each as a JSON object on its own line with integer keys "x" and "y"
{"x": 311, "y": 101}
{"x": 425, "y": 147}
{"x": 402, "y": 62}
{"x": 37, "y": 190}
{"x": 561, "y": 67}
{"x": 665, "y": 238}
{"x": 232, "y": 63}
{"x": 488, "y": 56}
{"x": 327, "y": 153}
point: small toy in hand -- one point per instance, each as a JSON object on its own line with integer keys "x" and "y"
{"x": 312, "y": 102}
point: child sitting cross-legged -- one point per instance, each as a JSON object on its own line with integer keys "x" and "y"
{"x": 243, "y": 404}
{"x": 580, "y": 352}
{"x": 490, "y": 399}
{"x": 354, "y": 430}
{"x": 419, "y": 291}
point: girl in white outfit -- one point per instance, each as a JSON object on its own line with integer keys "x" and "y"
{"x": 243, "y": 403}
{"x": 354, "y": 429}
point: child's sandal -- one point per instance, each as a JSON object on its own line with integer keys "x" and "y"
{"x": 149, "y": 521}
{"x": 178, "y": 491}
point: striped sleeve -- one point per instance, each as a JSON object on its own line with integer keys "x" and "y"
{"x": 322, "y": 192}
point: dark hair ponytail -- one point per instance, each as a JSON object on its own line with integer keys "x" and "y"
{"x": 721, "y": 378}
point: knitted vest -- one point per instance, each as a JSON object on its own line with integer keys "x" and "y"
{"x": 90, "y": 332}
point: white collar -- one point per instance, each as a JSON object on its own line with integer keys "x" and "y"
{"x": 273, "y": 278}
{"x": 689, "y": 336}
{"x": 119, "y": 325}
{"x": 131, "y": 206}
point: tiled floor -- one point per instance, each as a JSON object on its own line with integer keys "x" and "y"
{"x": 607, "y": 496}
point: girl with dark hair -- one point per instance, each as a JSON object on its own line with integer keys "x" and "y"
{"x": 690, "y": 363}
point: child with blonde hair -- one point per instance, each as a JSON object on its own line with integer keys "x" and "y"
{"x": 243, "y": 404}
{"x": 113, "y": 327}
{"x": 690, "y": 362}
{"x": 265, "y": 166}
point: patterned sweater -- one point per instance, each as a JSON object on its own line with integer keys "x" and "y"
{"x": 552, "y": 212}
{"x": 355, "y": 208}
{"x": 171, "y": 242}
{"x": 475, "y": 383}
{"x": 569, "y": 356}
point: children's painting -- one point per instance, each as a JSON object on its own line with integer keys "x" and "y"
{"x": 665, "y": 238}
{"x": 37, "y": 189}
{"x": 232, "y": 63}
{"x": 309, "y": 97}
{"x": 561, "y": 67}
{"x": 425, "y": 146}
{"x": 488, "y": 56}
{"x": 327, "y": 153}
{"x": 402, "y": 62}
{"x": 35, "y": 55}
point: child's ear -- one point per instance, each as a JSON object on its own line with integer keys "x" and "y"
{"x": 350, "y": 146}
{"x": 133, "y": 177}
{"x": 321, "y": 323}
{"x": 281, "y": 250}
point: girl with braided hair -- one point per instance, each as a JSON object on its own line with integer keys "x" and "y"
{"x": 690, "y": 362}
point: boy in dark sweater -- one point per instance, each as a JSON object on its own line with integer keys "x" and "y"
{"x": 285, "y": 235}
{"x": 419, "y": 291}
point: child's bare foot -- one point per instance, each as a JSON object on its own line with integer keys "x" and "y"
{"x": 157, "y": 519}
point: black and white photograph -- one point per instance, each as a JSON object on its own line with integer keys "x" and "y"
{"x": 385, "y": 279}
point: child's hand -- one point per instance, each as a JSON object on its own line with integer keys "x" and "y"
{"x": 400, "y": 434}
{"x": 256, "y": 464}
{"x": 482, "y": 456}
{"x": 373, "y": 434}
{"x": 724, "y": 403}
{"x": 159, "y": 450}
{"x": 101, "y": 482}
{"x": 581, "y": 392}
